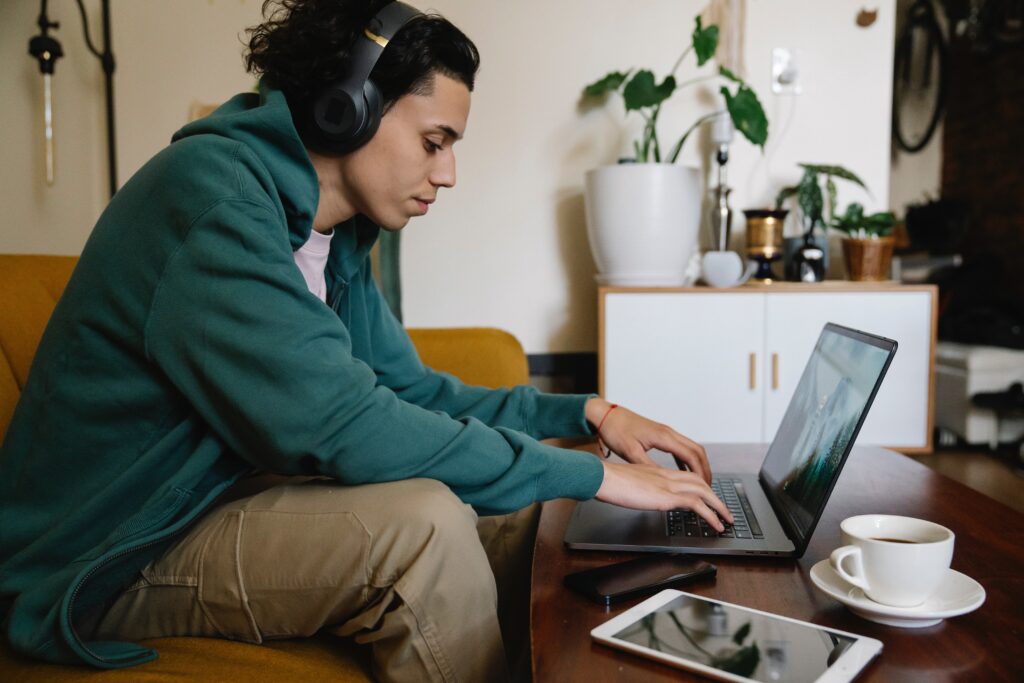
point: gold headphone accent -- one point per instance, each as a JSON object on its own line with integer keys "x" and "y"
{"x": 380, "y": 40}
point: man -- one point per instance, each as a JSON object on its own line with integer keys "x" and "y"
{"x": 226, "y": 433}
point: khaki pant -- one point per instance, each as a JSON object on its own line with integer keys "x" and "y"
{"x": 404, "y": 567}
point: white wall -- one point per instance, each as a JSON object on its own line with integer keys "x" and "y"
{"x": 507, "y": 246}
{"x": 37, "y": 218}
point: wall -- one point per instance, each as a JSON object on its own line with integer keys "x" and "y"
{"x": 507, "y": 246}
{"x": 38, "y": 218}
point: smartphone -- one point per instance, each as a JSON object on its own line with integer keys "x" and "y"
{"x": 641, "y": 576}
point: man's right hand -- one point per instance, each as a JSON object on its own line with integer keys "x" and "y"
{"x": 650, "y": 487}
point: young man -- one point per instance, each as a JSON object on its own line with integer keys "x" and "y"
{"x": 226, "y": 433}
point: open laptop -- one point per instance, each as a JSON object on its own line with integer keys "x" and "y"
{"x": 777, "y": 509}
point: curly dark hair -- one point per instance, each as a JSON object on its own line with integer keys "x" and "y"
{"x": 303, "y": 45}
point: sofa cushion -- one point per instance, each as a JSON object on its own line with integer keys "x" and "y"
{"x": 323, "y": 657}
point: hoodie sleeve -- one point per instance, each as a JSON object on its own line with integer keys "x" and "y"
{"x": 270, "y": 369}
{"x": 523, "y": 408}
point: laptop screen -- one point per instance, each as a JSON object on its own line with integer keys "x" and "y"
{"x": 821, "y": 423}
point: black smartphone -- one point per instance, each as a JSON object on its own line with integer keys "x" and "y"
{"x": 637, "y": 577}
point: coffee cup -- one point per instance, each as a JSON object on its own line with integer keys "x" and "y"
{"x": 897, "y": 561}
{"x": 724, "y": 269}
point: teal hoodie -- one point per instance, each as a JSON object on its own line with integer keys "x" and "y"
{"x": 187, "y": 352}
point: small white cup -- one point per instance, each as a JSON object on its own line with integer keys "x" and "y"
{"x": 897, "y": 561}
{"x": 724, "y": 269}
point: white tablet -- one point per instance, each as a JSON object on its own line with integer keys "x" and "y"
{"x": 732, "y": 643}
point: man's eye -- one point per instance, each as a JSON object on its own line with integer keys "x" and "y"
{"x": 433, "y": 147}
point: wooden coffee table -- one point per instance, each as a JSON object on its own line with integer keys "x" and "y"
{"x": 985, "y": 645}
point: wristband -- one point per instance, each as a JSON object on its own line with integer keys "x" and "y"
{"x": 605, "y": 451}
{"x": 606, "y": 414}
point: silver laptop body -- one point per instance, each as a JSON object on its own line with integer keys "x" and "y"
{"x": 798, "y": 473}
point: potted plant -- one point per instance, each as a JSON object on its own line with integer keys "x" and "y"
{"x": 807, "y": 256}
{"x": 643, "y": 216}
{"x": 867, "y": 247}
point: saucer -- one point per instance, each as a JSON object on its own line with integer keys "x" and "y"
{"x": 957, "y": 594}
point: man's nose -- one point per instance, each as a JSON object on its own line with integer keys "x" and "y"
{"x": 443, "y": 174}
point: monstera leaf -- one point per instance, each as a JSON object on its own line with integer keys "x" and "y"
{"x": 609, "y": 83}
{"x": 705, "y": 41}
{"x": 641, "y": 91}
{"x": 746, "y": 113}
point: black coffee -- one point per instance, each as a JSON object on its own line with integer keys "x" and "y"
{"x": 895, "y": 540}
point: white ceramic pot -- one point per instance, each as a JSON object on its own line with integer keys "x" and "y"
{"x": 642, "y": 221}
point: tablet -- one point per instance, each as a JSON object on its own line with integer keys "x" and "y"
{"x": 732, "y": 643}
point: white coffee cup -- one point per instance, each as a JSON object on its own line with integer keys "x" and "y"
{"x": 724, "y": 269}
{"x": 898, "y": 561}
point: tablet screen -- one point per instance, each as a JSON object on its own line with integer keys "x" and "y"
{"x": 737, "y": 641}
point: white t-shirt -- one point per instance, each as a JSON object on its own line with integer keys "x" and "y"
{"x": 311, "y": 258}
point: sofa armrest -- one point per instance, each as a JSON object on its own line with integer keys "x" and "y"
{"x": 482, "y": 356}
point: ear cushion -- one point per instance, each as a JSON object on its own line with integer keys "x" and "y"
{"x": 345, "y": 121}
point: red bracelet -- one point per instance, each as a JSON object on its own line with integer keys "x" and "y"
{"x": 607, "y": 413}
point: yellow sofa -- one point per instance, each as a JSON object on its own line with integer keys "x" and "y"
{"x": 29, "y": 288}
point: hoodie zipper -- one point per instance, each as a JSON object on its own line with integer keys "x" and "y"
{"x": 337, "y": 290}
{"x": 123, "y": 553}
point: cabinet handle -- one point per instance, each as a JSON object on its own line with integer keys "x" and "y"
{"x": 775, "y": 371}
{"x": 753, "y": 371}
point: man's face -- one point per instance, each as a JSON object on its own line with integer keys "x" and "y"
{"x": 397, "y": 174}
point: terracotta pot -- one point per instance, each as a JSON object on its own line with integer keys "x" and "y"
{"x": 868, "y": 260}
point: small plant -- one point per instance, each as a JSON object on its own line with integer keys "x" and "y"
{"x": 858, "y": 226}
{"x": 810, "y": 197}
{"x": 642, "y": 94}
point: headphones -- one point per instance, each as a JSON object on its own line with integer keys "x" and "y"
{"x": 346, "y": 113}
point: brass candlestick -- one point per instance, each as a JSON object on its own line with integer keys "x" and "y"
{"x": 764, "y": 240}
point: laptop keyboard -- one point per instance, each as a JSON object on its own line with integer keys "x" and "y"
{"x": 732, "y": 493}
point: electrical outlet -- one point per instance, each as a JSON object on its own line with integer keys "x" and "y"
{"x": 786, "y": 72}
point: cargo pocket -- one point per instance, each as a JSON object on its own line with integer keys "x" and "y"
{"x": 220, "y": 590}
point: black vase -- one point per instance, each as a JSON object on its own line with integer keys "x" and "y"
{"x": 808, "y": 262}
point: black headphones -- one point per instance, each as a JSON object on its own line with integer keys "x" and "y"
{"x": 346, "y": 113}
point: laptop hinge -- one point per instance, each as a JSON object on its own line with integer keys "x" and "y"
{"x": 781, "y": 514}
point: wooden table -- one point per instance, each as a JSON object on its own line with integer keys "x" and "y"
{"x": 985, "y": 645}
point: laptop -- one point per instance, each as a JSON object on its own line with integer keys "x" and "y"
{"x": 776, "y": 509}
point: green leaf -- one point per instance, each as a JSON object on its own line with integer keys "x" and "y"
{"x": 741, "y": 634}
{"x": 837, "y": 171}
{"x": 854, "y": 220}
{"x": 854, "y": 213}
{"x": 640, "y": 91}
{"x": 784, "y": 194}
{"x": 722, "y": 71}
{"x": 830, "y": 187}
{"x": 609, "y": 83}
{"x": 810, "y": 199}
{"x": 705, "y": 42}
{"x": 747, "y": 115}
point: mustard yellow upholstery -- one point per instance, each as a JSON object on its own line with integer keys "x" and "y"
{"x": 29, "y": 288}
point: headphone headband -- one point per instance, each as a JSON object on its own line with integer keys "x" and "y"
{"x": 378, "y": 33}
{"x": 347, "y": 113}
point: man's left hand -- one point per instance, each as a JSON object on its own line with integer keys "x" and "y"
{"x": 630, "y": 436}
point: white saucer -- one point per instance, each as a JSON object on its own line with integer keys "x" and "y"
{"x": 958, "y": 594}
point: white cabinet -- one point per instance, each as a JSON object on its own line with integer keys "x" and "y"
{"x": 721, "y": 365}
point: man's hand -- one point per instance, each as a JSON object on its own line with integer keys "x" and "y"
{"x": 630, "y": 436}
{"x": 650, "y": 487}
{"x": 643, "y": 484}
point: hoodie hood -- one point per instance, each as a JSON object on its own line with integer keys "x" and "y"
{"x": 263, "y": 123}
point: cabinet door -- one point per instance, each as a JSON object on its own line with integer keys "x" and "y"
{"x": 691, "y": 361}
{"x": 793, "y": 321}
